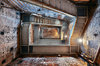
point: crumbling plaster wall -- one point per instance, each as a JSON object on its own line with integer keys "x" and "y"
{"x": 9, "y": 21}
{"x": 91, "y": 38}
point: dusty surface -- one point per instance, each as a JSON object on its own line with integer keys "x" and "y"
{"x": 48, "y": 61}
{"x": 50, "y": 42}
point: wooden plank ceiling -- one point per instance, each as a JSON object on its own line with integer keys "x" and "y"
{"x": 62, "y": 6}
{"x": 66, "y": 8}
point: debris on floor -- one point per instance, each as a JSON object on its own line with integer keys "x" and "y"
{"x": 48, "y": 61}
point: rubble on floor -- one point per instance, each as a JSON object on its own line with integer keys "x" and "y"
{"x": 48, "y": 61}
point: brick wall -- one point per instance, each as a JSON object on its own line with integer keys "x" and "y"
{"x": 9, "y": 21}
{"x": 91, "y": 38}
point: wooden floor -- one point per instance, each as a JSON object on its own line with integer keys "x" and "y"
{"x": 48, "y": 61}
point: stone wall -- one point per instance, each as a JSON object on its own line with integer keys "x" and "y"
{"x": 91, "y": 38}
{"x": 9, "y": 21}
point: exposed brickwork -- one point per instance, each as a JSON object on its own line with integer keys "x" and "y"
{"x": 91, "y": 39}
{"x": 9, "y": 20}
